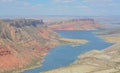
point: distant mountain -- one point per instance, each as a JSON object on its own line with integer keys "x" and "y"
{"x": 77, "y": 24}
{"x": 24, "y": 22}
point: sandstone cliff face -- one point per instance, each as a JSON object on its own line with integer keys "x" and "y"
{"x": 24, "y": 22}
{"x": 23, "y": 43}
{"x": 76, "y": 24}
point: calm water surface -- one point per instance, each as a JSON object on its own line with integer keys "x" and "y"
{"x": 66, "y": 54}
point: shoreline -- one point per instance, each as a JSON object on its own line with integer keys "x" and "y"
{"x": 32, "y": 66}
{"x": 38, "y": 64}
{"x": 113, "y": 39}
{"x": 67, "y": 40}
{"x": 72, "y": 41}
{"x": 61, "y": 41}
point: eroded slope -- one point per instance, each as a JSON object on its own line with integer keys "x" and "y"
{"x": 23, "y": 43}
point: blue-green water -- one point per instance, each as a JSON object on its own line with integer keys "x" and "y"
{"x": 64, "y": 55}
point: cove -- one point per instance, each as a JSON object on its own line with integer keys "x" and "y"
{"x": 64, "y": 55}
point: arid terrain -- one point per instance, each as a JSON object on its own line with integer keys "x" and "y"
{"x": 59, "y": 36}
{"x": 25, "y": 42}
{"x": 97, "y": 61}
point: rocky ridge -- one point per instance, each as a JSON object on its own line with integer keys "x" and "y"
{"x": 24, "y": 43}
{"x": 77, "y": 24}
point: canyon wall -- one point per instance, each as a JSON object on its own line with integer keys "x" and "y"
{"x": 23, "y": 43}
{"x": 76, "y": 24}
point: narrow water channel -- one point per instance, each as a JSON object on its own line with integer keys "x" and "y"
{"x": 66, "y": 54}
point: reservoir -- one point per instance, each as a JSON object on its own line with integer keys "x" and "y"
{"x": 66, "y": 54}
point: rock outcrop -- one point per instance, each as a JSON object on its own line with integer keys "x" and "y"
{"x": 23, "y": 22}
{"x": 24, "y": 43}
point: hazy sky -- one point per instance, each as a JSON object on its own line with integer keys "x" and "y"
{"x": 59, "y": 7}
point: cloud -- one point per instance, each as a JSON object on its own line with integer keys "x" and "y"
{"x": 82, "y": 7}
{"x": 7, "y": 0}
{"x": 103, "y": 7}
{"x": 63, "y": 1}
{"x": 99, "y": 2}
